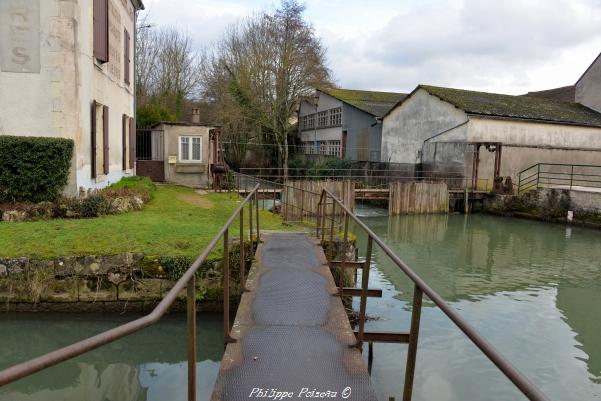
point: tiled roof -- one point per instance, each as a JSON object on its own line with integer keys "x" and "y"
{"x": 518, "y": 107}
{"x": 374, "y": 103}
{"x": 565, "y": 93}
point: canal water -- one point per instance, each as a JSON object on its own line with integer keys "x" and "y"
{"x": 532, "y": 289}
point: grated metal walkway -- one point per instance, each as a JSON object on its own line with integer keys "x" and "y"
{"x": 293, "y": 335}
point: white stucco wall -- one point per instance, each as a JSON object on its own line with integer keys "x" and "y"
{"x": 189, "y": 173}
{"x": 56, "y": 100}
{"x": 418, "y": 118}
{"x": 588, "y": 87}
{"x": 528, "y": 133}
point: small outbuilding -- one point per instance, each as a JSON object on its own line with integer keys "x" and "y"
{"x": 177, "y": 152}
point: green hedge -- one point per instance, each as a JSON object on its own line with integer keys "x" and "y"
{"x": 33, "y": 169}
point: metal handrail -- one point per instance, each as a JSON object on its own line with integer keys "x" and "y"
{"x": 421, "y": 287}
{"x": 537, "y": 176}
{"x": 188, "y": 280}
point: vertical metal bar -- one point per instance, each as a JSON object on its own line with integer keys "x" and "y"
{"x": 242, "y": 256}
{"x": 250, "y": 220}
{"x": 191, "y": 319}
{"x": 324, "y": 213}
{"x": 331, "y": 245}
{"x": 226, "y": 286}
{"x": 302, "y": 204}
{"x": 364, "y": 284}
{"x": 285, "y": 200}
{"x": 538, "y": 175}
{"x": 413, "y": 337}
{"x": 257, "y": 214}
{"x": 344, "y": 252}
{"x": 317, "y": 219}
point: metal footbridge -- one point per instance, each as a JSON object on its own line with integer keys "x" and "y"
{"x": 291, "y": 338}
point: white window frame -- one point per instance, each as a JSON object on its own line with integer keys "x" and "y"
{"x": 335, "y": 117}
{"x": 190, "y": 151}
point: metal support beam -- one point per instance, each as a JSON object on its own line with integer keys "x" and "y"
{"x": 356, "y": 292}
{"x": 191, "y": 319}
{"x": 413, "y": 337}
{"x": 384, "y": 337}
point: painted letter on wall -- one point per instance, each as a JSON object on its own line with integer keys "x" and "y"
{"x": 20, "y": 36}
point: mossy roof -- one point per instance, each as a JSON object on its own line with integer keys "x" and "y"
{"x": 374, "y": 103}
{"x": 519, "y": 107}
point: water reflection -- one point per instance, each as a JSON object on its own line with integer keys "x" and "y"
{"x": 149, "y": 365}
{"x": 532, "y": 290}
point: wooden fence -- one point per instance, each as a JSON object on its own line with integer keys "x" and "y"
{"x": 418, "y": 198}
{"x": 302, "y": 197}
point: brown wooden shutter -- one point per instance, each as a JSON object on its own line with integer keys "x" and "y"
{"x": 126, "y": 56}
{"x": 101, "y": 30}
{"x": 132, "y": 143}
{"x": 93, "y": 139}
{"x": 124, "y": 126}
{"x": 105, "y": 137}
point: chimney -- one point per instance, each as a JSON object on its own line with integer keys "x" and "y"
{"x": 195, "y": 115}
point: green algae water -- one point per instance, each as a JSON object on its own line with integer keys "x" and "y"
{"x": 532, "y": 289}
{"x": 150, "y": 365}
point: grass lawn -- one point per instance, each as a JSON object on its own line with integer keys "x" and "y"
{"x": 177, "y": 221}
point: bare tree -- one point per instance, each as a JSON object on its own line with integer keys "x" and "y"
{"x": 261, "y": 69}
{"x": 168, "y": 68}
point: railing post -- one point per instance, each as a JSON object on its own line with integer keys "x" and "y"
{"x": 191, "y": 318}
{"x": 538, "y": 175}
{"x": 242, "y": 249}
{"x": 344, "y": 251}
{"x": 257, "y": 214}
{"x": 324, "y": 213}
{"x": 250, "y": 220}
{"x": 317, "y": 219}
{"x": 285, "y": 201}
{"x": 302, "y": 204}
{"x": 226, "y": 287}
{"x": 413, "y": 337}
{"x": 331, "y": 247}
{"x": 364, "y": 285}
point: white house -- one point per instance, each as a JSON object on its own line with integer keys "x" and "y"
{"x": 66, "y": 70}
{"x": 447, "y": 130}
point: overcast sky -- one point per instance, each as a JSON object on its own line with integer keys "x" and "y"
{"x": 506, "y": 46}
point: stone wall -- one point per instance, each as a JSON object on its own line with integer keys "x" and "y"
{"x": 128, "y": 282}
{"x": 549, "y": 204}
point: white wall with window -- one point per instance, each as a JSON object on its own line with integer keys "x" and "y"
{"x": 190, "y": 149}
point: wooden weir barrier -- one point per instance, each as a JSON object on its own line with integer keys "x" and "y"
{"x": 418, "y": 198}
{"x": 299, "y": 199}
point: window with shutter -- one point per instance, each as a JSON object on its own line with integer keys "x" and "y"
{"x": 132, "y": 143}
{"x": 93, "y": 140}
{"x": 101, "y": 30}
{"x": 105, "y": 138}
{"x": 124, "y": 137}
{"x": 126, "y": 56}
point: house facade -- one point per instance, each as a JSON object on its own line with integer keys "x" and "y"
{"x": 460, "y": 132}
{"x": 66, "y": 70}
{"x": 344, "y": 123}
{"x": 186, "y": 154}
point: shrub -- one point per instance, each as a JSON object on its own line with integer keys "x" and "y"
{"x": 131, "y": 185}
{"x": 94, "y": 206}
{"x": 33, "y": 169}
